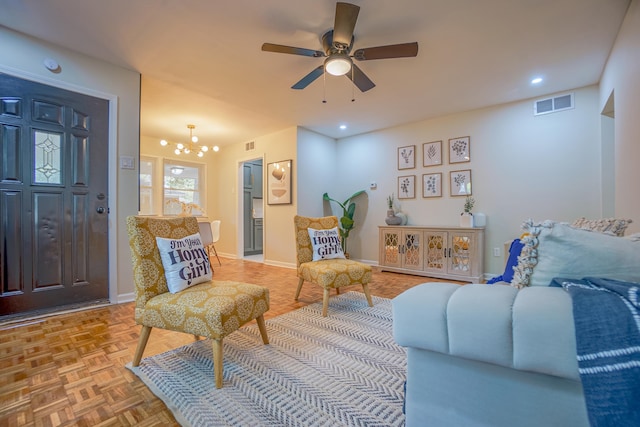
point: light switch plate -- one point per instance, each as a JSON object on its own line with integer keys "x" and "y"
{"x": 127, "y": 162}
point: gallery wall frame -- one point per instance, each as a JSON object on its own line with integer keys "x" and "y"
{"x": 432, "y": 153}
{"x": 407, "y": 187}
{"x": 460, "y": 149}
{"x": 407, "y": 157}
{"x": 432, "y": 185}
{"x": 279, "y": 182}
{"x": 460, "y": 182}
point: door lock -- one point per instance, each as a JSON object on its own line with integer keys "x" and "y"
{"x": 100, "y": 210}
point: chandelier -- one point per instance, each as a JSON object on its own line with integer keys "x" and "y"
{"x": 191, "y": 146}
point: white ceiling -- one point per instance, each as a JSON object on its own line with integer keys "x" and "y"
{"x": 201, "y": 60}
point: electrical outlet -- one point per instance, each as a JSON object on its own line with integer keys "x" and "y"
{"x": 496, "y": 251}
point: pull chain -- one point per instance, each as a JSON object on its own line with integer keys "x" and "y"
{"x": 324, "y": 86}
{"x": 353, "y": 88}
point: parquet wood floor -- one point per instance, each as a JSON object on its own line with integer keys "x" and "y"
{"x": 68, "y": 369}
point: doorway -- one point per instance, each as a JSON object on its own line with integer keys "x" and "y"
{"x": 252, "y": 210}
{"x": 53, "y": 198}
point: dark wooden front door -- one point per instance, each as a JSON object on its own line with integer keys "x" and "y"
{"x": 53, "y": 197}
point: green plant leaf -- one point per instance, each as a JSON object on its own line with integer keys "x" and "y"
{"x": 351, "y": 209}
{"x": 346, "y": 221}
{"x": 356, "y": 194}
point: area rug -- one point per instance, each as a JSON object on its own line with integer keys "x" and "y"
{"x": 341, "y": 370}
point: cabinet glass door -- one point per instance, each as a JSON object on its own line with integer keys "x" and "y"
{"x": 461, "y": 248}
{"x": 412, "y": 250}
{"x": 391, "y": 248}
{"x": 436, "y": 247}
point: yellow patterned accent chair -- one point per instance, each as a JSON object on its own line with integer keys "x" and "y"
{"x": 328, "y": 273}
{"x": 212, "y": 309}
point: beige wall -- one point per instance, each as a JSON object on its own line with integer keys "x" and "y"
{"x": 522, "y": 166}
{"x": 23, "y": 57}
{"x": 226, "y": 178}
{"x": 621, "y": 77}
{"x": 317, "y": 172}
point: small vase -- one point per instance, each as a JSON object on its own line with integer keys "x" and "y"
{"x": 466, "y": 219}
{"x": 392, "y": 219}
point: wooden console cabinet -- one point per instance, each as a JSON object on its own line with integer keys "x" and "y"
{"x": 444, "y": 252}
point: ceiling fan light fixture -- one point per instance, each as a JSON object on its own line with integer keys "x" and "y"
{"x": 338, "y": 64}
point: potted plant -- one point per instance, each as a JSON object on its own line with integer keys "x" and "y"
{"x": 346, "y": 221}
{"x": 466, "y": 217}
{"x": 391, "y": 218}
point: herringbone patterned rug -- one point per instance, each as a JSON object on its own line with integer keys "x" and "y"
{"x": 340, "y": 370}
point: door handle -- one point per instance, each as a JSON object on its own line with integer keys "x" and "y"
{"x": 100, "y": 210}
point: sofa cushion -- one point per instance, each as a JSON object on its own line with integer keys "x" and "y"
{"x": 554, "y": 249}
{"x": 420, "y": 316}
{"x": 529, "y": 329}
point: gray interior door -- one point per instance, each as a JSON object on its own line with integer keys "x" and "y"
{"x": 53, "y": 197}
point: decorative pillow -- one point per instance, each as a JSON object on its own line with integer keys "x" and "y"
{"x": 512, "y": 261}
{"x": 558, "y": 250}
{"x": 325, "y": 243}
{"x": 185, "y": 262}
{"x": 606, "y": 225}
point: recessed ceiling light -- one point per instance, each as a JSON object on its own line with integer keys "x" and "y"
{"x": 343, "y": 127}
{"x": 536, "y": 80}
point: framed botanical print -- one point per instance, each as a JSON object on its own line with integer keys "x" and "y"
{"x": 432, "y": 153}
{"x": 407, "y": 157}
{"x": 432, "y": 185}
{"x": 460, "y": 149}
{"x": 460, "y": 182}
{"x": 279, "y": 183}
{"x": 407, "y": 187}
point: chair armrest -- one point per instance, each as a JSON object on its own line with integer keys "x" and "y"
{"x": 530, "y": 329}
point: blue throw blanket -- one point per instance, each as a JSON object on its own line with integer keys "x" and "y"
{"x": 607, "y": 322}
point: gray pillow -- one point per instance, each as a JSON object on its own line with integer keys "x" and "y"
{"x": 554, "y": 249}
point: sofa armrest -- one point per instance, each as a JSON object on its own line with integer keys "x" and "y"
{"x": 530, "y": 329}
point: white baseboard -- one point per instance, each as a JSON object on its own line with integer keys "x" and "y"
{"x": 280, "y": 264}
{"x": 122, "y": 298}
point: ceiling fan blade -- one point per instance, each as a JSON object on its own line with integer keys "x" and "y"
{"x": 278, "y": 48}
{"x": 345, "y": 23}
{"x": 360, "y": 79}
{"x": 309, "y": 78}
{"x": 403, "y": 50}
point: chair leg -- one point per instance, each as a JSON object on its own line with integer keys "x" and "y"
{"x": 299, "y": 288}
{"x": 217, "y": 362}
{"x": 325, "y": 302}
{"x": 142, "y": 343}
{"x": 365, "y": 288}
{"x": 216, "y": 253}
{"x": 263, "y": 329}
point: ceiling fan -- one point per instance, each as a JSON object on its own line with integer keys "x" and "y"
{"x": 337, "y": 45}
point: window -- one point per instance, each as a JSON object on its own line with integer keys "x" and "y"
{"x": 147, "y": 176}
{"x": 183, "y": 188}
{"x": 47, "y": 158}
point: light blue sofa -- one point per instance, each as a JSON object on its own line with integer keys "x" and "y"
{"x": 496, "y": 355}
{"x": 489, "y": 355}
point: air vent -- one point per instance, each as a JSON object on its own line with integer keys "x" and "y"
{"x": 553, "y": 105}
{"x": 250, "y": 146}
